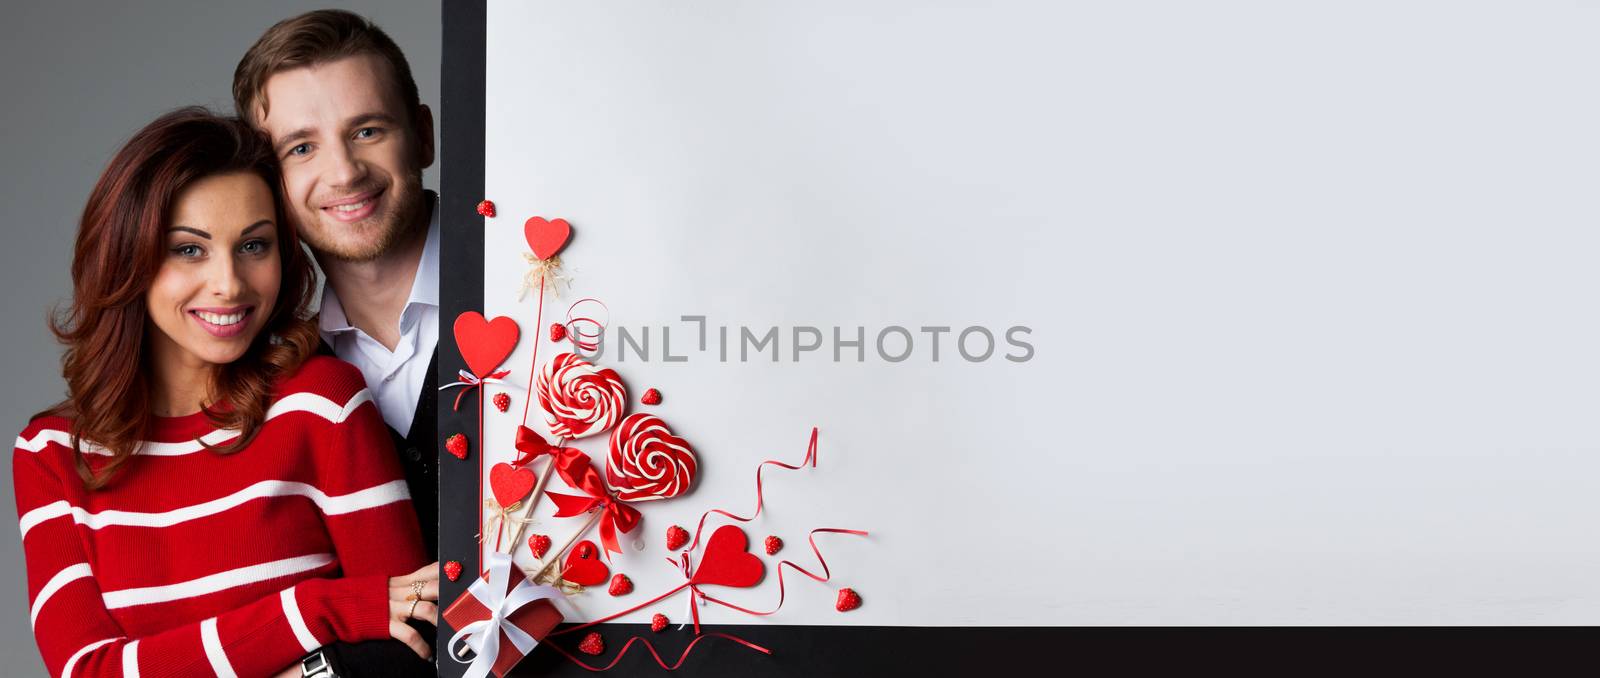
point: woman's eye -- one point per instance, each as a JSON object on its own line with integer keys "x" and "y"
{"x": 189, "y": 251}
{"x": 254, "y": 247}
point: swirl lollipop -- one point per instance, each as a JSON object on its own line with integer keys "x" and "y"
{"x": 648, "y": 462}
{"x": 578, "y": 398}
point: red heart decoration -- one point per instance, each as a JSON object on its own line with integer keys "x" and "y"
{"x": 728, "y": 561}
{"x": 509, "y": 483}
{"x": 484, "y": 344}
{"x": 546, "y": 238}
{"x": 584, "y": 566}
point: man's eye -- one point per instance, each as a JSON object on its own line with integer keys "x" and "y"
{"x": 301, "y": 149}
{"x": 366, "y": 132}
{"x": 189, "y": 251}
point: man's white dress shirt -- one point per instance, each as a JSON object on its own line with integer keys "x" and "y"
{"x": 394, "y": 377}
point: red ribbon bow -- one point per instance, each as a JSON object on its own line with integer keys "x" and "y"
{"x": 532, "y": 446}
{"x": 580, "y": 474}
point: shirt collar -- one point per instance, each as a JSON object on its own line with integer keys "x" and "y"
{"x": 424, "y": 286}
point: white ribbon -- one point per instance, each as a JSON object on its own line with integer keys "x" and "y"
{"x": 483, "y": 636}
{"x": 470, "y": 379}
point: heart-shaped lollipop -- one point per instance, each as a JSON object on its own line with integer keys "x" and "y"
{"x": 647, "y": 462}
{"x": 584, "y": 565}
{"x": 728, "y": 561}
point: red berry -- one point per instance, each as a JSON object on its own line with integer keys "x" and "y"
{"x": 457, "y": 445}
{"x": 452, "y": 570}
{"x": 676, "y": 538}
{"x": 621, "y": 585}
{"x": 539, "y": 545}
{"x": 848, "y": 600}
{"x": 486, "y": 208}
{"x": 774, "y": 545}
{"x": 651, "y": 397}
{"x": 558, "y": 331}
{"x": 502, "y": 402}
{"x": 592, "y": 644}
{"x": 658, "y": 622}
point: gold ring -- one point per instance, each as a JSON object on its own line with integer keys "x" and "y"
{"x": 416, "y": 590}
{"x": 411, "y": 613}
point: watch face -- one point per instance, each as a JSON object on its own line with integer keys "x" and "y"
{"x": 315, "y": 666}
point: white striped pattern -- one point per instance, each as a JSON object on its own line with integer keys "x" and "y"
{"x": 130, "y": 660}
{"x": 297, "y": 623}
{"x": 378, "y": 495}
{"x": 212, "y": 583}
{"x": 72, "y": 661}
{"x": 214, "y": 652}
{"x": 294, "y": 402}
{"x": 66, "y": 576}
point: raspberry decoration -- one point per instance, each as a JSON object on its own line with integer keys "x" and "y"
{"x": 486, "y": 208}
{"x": 502, "y": 402}
{"x": 676, "y": 538}
{"x": 648, "y": 462}
{"x": 452, "y": 570}
{"x": 774, "y": 545}
{"x": 592, "y": 644}
{"x": 848, "y": 600}
{"x": 539, "y": 544}
{"x": 658, "y": 622}
{"x": 578, "y": 398}
{"x": 457, "y": 445}
{"x": 621, "y": 585}
{"x": 558, "y": 331}
{"x": 651, "y": 397}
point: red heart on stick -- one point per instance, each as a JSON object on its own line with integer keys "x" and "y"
{"x": 728, "y": 561}
{"x": 584, "y": 566}
{"x": 484, "y": 344}
{"x": 510, "y": 484}
{"x": 546, "y": 238}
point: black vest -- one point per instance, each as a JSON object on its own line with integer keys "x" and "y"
{"x": 420, "y": 459}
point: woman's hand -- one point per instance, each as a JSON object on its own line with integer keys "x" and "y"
{"x": 414, "y": 596}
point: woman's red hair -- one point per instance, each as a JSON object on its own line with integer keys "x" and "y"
{"x": 120, "y": 248}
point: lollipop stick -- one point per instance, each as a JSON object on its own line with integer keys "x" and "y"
{"x": 570, "y": 541}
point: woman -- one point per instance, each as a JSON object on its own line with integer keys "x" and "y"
{"x": 209, "y": 498}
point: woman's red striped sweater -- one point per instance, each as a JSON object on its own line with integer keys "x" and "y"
{"x": 191, "y": 562}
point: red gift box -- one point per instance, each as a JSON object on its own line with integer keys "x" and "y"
{"x": 537, "y": 619}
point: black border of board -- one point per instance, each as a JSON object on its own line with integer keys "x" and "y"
{"x": 896, "y": 650}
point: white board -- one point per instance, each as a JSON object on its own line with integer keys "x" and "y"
{"x": 1311, "y": 295}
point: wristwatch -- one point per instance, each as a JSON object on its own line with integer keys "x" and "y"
{"x": 316, "y": 665}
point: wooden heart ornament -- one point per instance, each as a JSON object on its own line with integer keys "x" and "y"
{"x": 584, "y": 566}
{"x": 510, "y": 484}
{"x": 484, "y": 344}
{"x": 545, "y": 237}
{"x": 728, "y": 561}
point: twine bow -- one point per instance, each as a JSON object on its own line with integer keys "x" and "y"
{"x": 471, "y": 381}
{"x": 538, "y": 271}
{"x": 502, "y": 517}
{"x": 483, "y": 636}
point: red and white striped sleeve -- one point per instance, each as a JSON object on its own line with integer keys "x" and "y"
{"x": 374, "y": 527}
{"x": 77, "y": 636}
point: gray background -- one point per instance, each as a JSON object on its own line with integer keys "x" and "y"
{"x": 1312, "y": 285}
{"x": 79, "y": 78}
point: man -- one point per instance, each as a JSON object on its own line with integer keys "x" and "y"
{"x": 336, "y": 96}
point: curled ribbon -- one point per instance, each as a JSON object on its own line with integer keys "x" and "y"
{"x": 483, "y": 636}
{"x": 657, "y": 655}
{"x": 471, "y": 381}
{"x": 616, "y": 515}
{"x": 810, "y": 459}
{"x": 586, "y": 332}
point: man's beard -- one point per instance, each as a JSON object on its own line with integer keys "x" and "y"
{"x": 400, "y": 221}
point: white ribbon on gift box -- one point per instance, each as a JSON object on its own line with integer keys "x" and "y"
{"x": 483, "y": 636}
